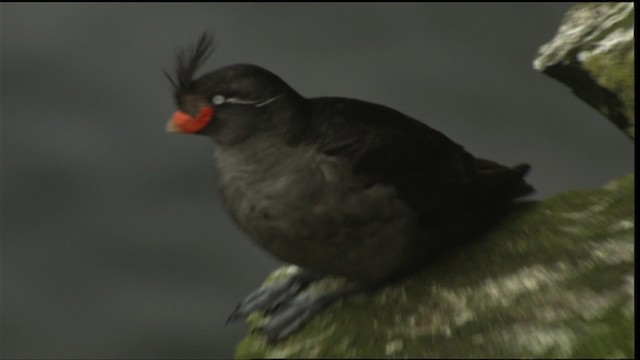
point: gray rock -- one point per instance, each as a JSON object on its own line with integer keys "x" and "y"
{"x": 556, "y": 280}
{"x": 593, "y": 54}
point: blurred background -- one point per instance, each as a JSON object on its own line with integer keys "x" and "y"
{"x": 114, "y": 241}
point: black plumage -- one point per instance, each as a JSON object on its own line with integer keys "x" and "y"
{"x": 187, "y": 63}
{"x": 336, "y": 186}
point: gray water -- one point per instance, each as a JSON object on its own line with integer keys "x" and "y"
{"x": 114, "y": 242}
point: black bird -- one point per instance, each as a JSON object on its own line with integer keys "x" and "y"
{"x": 336, "y": 186}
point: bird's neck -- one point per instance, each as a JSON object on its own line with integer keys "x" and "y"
{"x": 292, "y": 120}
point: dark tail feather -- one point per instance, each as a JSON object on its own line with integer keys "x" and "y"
{"x": 500, "y": 181}
{"x": 522, "y": 188}
{"x": 489, "y": 198}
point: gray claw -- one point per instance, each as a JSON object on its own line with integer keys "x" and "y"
{"x": 271, "y": 297}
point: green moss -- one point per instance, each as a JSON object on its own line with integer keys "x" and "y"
{"x": 553, "y": 281}
{"x": 608, "y": 337}
{"x": 614, "y": 70}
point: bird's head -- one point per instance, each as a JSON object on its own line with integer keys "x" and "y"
{"x": 232, "y": 103}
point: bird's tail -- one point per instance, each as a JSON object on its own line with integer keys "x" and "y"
{"x": 490, "y": 197}
{"x": 502, "y": 182}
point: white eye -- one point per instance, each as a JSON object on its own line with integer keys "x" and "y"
{"x": 218, "y": 100}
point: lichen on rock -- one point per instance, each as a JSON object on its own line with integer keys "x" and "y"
{"x": 556, "y": 280}
{"x": 593, "y": 54}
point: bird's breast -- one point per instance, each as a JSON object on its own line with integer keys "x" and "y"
{"x": 309, "y": 209}
{"x": 264, "y": 186}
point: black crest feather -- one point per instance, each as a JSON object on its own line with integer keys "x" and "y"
{"x": 188, "y": 60}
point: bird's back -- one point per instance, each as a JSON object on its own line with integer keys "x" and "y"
{"x": 431, "y": 173}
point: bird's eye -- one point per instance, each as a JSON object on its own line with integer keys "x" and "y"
{"x": 218, "y": 100}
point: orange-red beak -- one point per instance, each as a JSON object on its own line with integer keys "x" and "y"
{"x": 185, "y": 123}
{"x": 171, "y": 125}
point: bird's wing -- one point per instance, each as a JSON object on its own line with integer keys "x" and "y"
{"x": 429, "y": 171}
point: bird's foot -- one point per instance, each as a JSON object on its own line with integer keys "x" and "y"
{"x": 292, "y": 315}
{"x": 271, "y": 297}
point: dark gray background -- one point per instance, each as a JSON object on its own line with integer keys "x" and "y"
{"x": 114, "y": 242}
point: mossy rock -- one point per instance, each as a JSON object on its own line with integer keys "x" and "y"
{"x": 593, "y": 54}
{"x": 555, "y": 280}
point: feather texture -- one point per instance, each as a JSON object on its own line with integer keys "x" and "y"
{"x": 188, "y": 61}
